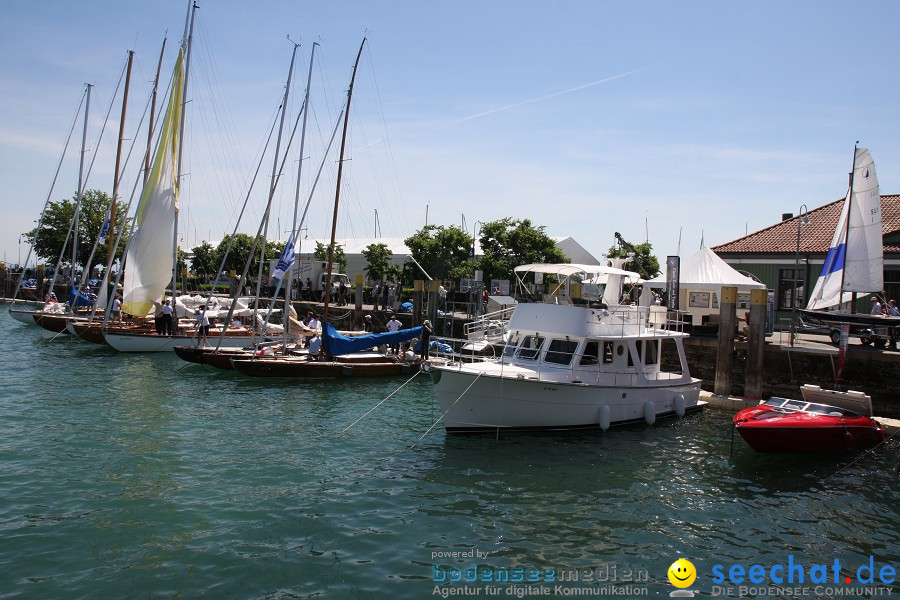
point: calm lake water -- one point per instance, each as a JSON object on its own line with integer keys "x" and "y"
{"x": 133, "y": 476}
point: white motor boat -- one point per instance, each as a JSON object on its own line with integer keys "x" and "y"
{"x": 569, "y": 366}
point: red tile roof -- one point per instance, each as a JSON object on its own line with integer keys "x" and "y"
{"x": 815, "y": 236}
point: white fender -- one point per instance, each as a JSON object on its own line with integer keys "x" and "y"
{"x": 649, "y": 412}
{"x": 604, "y": 417}
{"x": 679, "y": 405}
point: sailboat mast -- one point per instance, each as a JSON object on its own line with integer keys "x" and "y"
{"x": 846, "y": 231}
{"x": 337, "y": 191}
{"x": 305, "y": 108}
{"x": 187, "y": 68}
{"x": 153, "y": 112}
{"x": 87, "y": 106}
{"x": 273, "y": 185}
{"x": 115, "y": 191}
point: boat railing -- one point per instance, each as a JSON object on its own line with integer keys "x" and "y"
{"x": 452, "y": 351}
{"x": 489, "y": 326}
{"x": 630, "y": 319}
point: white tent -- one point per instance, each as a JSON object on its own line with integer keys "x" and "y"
{"x": 706, "y": 271}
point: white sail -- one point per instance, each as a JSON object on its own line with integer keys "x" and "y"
{"x": 855, "y": 258}
{"x": 148, "y": 262}
{"x": 864, "y": 266}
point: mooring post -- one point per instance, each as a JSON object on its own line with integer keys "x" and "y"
{"x": 433, "y": 286}
{"x": 725, "y": 354}
{"x": 755, "y": 344}
{"x": 418, "y": 286}
{"x": 358, "y": 316}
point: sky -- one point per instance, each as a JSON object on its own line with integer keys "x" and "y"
{"x": 671, "y": 122}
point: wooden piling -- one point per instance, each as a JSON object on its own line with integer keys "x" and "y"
{"x": 725, "y": 354}
{"x": 755, "y": 344}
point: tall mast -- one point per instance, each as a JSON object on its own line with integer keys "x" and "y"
{"x": 849, "y": 207}
{"x": 87, "y": 105}
{"x": 337, "y": 191}
{"x": 287, "y": 287}
{"x": 187, "y": 67}
{"x": 152, "y": 112}
{"x": 115, "y": 192}
{"x": 275, "y": 176}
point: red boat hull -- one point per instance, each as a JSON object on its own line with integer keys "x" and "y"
{"x": 771, "y": 431}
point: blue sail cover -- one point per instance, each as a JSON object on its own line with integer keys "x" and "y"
{"x": 337, "y": 344}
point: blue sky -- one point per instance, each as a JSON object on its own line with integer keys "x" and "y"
{"x": 675, "y": 119}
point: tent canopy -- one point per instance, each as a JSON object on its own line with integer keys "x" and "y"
{"x": 705, "y": 270}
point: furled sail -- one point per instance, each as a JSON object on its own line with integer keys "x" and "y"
{"x": 337, "y": 344}
{"x": 148, "y": 263}
{"x": 855, "y": 258}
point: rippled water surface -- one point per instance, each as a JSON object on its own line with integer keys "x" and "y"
{"x": 135, "y": 476}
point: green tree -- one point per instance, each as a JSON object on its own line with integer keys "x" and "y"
{"x": 205, "y": 261}
{"x": 378, "y": 261}
{"x": 321, "y": 253}
{"x": 508, "y": 243}
{"x": 55, "y": 226}
{"x": 442, "y": 251}
{"x": 643, "y": 262}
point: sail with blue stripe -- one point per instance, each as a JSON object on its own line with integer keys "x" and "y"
{"x": 855, "y": 259}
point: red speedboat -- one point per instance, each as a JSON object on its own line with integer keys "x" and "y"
{"x": 782, "y": 425}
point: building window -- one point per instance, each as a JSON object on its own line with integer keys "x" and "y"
{"x": 790, "y": 280}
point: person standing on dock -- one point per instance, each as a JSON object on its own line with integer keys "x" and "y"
{"x": 166, "y": 327}
{"x": 394, "y": 326}
{"x": 426, "y": 339}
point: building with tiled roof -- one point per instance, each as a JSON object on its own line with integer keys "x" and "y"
{"x": 789, "y": 255}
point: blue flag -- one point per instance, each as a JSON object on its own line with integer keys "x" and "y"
{"x": 104, "y": 231}
{"x": 286, "y": 260}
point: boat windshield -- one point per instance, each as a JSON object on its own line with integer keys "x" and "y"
{"x": 785, "y": 405}
{"x": 530, "y": 347}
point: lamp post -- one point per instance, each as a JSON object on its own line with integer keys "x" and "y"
{"x": 802, "y": 218}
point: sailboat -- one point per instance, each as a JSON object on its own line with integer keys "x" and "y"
{"x": 855, "y": 260}
{"x": 341, "y": 356}
{"x": 147, "y": 273}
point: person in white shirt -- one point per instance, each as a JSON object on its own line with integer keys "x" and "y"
{"x": 876, "y": 306}
{"x": 394, "y": 325}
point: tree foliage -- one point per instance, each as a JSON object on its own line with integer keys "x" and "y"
{"x": 508, "y": 243}
{"x": 205, "y": 261}
{"x": 378, "y": 261}
{"x": 55, "y": 226}
{"x": 644, "y": 262}
{"x": 340, "y": 259}
{"x": 240, "y": 253}
{"x": 442, "y": 251}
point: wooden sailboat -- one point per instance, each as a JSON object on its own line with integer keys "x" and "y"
{"x": 331, "y": 363}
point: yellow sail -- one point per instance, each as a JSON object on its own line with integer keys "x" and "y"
{"x": 148, "y": 261}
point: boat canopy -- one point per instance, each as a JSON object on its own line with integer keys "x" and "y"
{"x": 336, "y": 344}
{"x": 570, "y": 269}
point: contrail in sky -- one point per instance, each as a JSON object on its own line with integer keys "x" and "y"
{"x": 523, "y": 103}
{"x": 541, "y": 98}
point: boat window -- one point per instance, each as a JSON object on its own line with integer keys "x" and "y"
{"x": 639, "y": 346}
{"x": 651, "y": 352}
{"x": 620, "y": 349}
{"x": 590, "y": 354}
{"x": 608, "y": 353}
{"x": 510, "y": 347}
{"x": 561, "y": 352}
{"x": 530, "y": 347}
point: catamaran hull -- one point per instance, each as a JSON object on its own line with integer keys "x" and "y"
{"x": 129, "y": 342}
{"x": 470, "y": 403}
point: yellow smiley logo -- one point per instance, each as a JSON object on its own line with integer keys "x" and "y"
{"x": 682, "y": 573}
